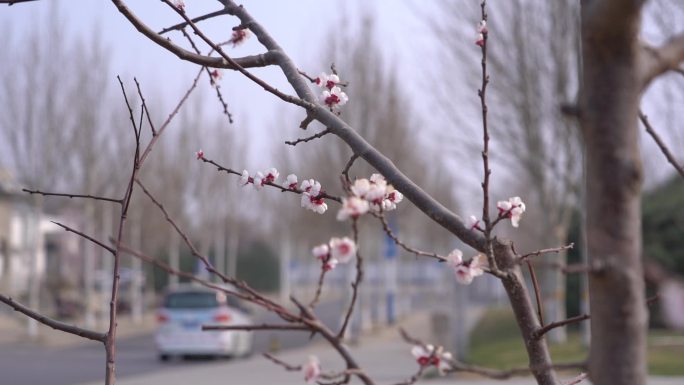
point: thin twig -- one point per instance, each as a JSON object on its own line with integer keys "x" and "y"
{"x": 661, "y": 144}
{"x": 86, "y": 236}
{"x": 545, "y": 329}
{"x": 546, "y": 251}
{"x": 308, "y": 139}
{"x": 144, "y": 108}
{"x": 57, "y": 325}
{"x": 355, "y": 284}
{"x": 390, "y": 233}
{"x": 197, "y": 19}
{"x": 537, "y": 293}
{"x": 319, "y": 289}
{"x": 347, "y": 167}
{"x": 67, "y": 195}
{"x": 288, "y": 367}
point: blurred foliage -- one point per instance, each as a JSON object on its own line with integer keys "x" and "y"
{"x": 258, "y": 265}
{"x": 496, "y": 343}
{"x": 663, "y": 225}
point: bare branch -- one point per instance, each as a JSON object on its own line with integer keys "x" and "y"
{"x": 288, "y": 367}
{"x": 88, "y": 237}
{"x": 540, "y": 333}
{"x": 661, "y": 143}
{"x": 319, "y": 289}
{"x": 12, "y": 2}
{"x": 256, "y": 327}
{"x": 67, "y": 195}
{"x": 546, "y": 251}
{"x": 195, "y": 20}
{"x": 57, "y": 325}
{"x": 144, "y": 108}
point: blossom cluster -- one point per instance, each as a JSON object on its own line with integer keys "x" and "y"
{"x": 429, "y": 355}
{"x": 465, "y": 271}
{"x": 238, "y": 37}
{"x": 513, "y": 208}
{"x": 338, "y": 250}
{"x": 373, "y": 194}
{"x": 332, "y": 95}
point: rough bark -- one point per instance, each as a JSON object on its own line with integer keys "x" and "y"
{"x": 609, "y": 113}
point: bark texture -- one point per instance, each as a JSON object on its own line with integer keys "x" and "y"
{"x": 609, "y": 113}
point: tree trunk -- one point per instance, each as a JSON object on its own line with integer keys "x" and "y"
{"x": 609, "y": 110}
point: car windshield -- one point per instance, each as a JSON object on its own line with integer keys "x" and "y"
{"x": 191, "y": 300}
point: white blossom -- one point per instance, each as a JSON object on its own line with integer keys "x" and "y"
{"x": 321, "y": 251}
{"x": 334, "y": 97}
{"x": 291, "y": 181}
{"x": 244, "y": 178}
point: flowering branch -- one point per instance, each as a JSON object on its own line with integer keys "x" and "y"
{"x": 661, "y": 144}
{"x": 57, "y": 325}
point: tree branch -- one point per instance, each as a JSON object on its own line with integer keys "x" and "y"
{"x": 97, "y": 198}
{"x": 256, "y": 327}
{"x": 661, "y": 144}
{"x": 184, "y": 24}
{"x": 57, "y": 325}
{"x": 540, "y": 333}
{"x": 88, "y": 237}
{"x": 657, "y": 60}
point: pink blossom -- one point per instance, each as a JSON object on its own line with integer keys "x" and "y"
{"x": 465, "y": 271}
{"x": 352, "y": 207}
{"x": 321, "y": 252}
{"x": 239, "y": 36}
{"x": 291, "y": 182}
{"x": 427, "y": 355}
{"x": 482, "y": 27}
{"x": 216, "y": 75}
{"x": 378, "y": 178}
{"x": 473, "y": 222}
{"x": 199, "y": 154}
{"x": 391, "y": 199}
{"x": 480, "y": 40}
{"x": 312, "y": 370}
{"x": 334, "y": 98}
{"x": 327, "y": 81}
{"x": 180, "y": 4}
{"x": 513, "y": 208}
{"x": 342, "y": 249}
{"x": 330, "y": 264}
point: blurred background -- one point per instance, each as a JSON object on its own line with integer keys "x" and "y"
{"x": 413, "y": 74}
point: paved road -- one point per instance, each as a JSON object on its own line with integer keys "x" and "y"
{"x": 34, "y": 364}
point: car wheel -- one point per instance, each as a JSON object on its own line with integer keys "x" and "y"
{"x": 164, "y": 357}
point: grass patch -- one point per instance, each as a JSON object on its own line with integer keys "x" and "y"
{"x": 495, "y": 342}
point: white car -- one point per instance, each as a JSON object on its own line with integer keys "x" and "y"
{"x": 185, "y": 308}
